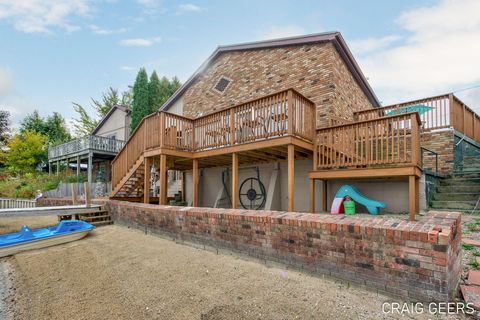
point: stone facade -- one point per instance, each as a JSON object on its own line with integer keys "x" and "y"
{"x": 441, "y": 142}
{"x": 416, "y": 260}
{"x": 315, "y": 70}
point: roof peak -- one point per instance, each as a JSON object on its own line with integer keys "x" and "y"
{"x": 334, "y": 37}
{"x": 313, "y": 37}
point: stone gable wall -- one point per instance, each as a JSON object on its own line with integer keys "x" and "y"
{"x": 315, "y": 70}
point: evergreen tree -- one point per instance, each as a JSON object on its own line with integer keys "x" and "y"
{"x": 140, "y": 105}
{"x": 53, "y": 127}
{"x": 155, "y": 94}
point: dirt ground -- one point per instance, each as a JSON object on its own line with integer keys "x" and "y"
{"x": 13, "y": 224}
{"x": 121, "y": 273}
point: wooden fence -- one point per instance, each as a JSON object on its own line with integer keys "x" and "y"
{"x": 393, "y": 140}
{"x": 64, "y": 190}
{"x": 6, "y": 203}
{"x": 259, "y": 119}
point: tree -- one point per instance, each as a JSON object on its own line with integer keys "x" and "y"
{"x": 4, "y": 127}
{"x": 25, "y": 151}
{"x": 57, "y": 131}
{"x": 155, "y": 92}
{"x": 160, "y": 90}
{"x": 85, "y": 124}
{"x": 140, "y": 103}
{"x": 53, "y": 127}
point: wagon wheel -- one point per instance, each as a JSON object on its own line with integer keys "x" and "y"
{"x": 252, "y": 194}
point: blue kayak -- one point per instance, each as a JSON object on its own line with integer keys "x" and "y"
{"x": 27, "y": 239}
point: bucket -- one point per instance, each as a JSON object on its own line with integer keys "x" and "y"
{"x": 349, "y": 207}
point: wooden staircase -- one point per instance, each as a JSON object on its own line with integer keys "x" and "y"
{"x": 132, "y": 183}
{"x": 98, "y": 219}
{"x": 97, "y": 216}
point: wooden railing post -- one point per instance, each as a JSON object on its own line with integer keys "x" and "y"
{"x": 162, "y": 129}
{"x": 415, "y": 139}
{"x": 290, "y": 111}
{"x": 232, "y": 127}
{"x": 450, "y": 105}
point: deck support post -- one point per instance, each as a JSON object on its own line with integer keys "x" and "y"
{"x": 90, "y": 168}
{"x": 163, "y": 179}
{"x": 413, "y": 199}
{"x": 324, "y": 195}
{"x": 78, "y": 166}
{"x": 88, "y": 196}
{"x": 58, "y": 167}
{"x": 291, "y": 178}
{"x": 234, "y": 181}
{"x": 195, "y": 183}
{"x": 49, "y": 167}
{"x": 146, "y": 179}
{"x": 312, "y": 195}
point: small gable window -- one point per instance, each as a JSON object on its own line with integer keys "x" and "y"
{"x": 222, "y": 84}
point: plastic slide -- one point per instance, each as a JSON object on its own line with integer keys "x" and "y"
{"x": 347, "y": 190}
{"x": 337, "y": 206}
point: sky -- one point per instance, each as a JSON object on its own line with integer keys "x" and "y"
{"x": 57, "y": 52}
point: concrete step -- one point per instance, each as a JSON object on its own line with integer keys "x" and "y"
{"x": 95, "y": 218}
{"x": 460, "y": 181}
{"x": 467, "y": 174}
{"x": 459, "y": 189}
{"x": 102, "y": 223}
{"x": 456, "y": 196}
{"x": 465, "y": 205}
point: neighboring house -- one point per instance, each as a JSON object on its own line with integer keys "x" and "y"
{"x": 258, "y": 125}
{"x": 94, "y": 153}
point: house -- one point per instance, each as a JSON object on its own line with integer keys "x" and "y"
{"x": 94, "y": 152}
{"x": 282, "y": 124}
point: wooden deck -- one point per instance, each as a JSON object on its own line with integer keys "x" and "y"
{"x": 273, "y": 128}
{"x": 377, "y": 143}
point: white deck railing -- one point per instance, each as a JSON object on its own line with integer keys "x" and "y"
{"x": 85, "y": 143}
{"x": 6, "y": 203}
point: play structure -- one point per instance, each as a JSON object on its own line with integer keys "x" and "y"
{"x": 352, "y": 192}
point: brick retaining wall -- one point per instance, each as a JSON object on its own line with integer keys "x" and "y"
{"x": 419, "y": 260}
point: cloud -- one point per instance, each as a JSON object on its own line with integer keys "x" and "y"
{"x": 189, "y": 7}
{"x": 149, "y": 3}
{"x": 6, "y": 85}
{"x": 372, "y": 44}
{"x": 139, "y": 42}
{"x": 151, "y": 7}
{"x": 104, "y": 32}
{"x": 439, "y": 52}
{"x": 39, "y": 16}
{"x": 275, "y": 32}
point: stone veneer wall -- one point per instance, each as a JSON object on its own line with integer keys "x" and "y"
{"x": 347, "y": 97}
{"x": 315, "y": 70}
{"x": 419, "y": 260}
{"x": 441, "y": 142}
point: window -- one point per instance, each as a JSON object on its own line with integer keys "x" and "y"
{"x": 222, "y": 84}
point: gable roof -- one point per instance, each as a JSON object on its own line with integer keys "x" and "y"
{"x": 334, "y": 37}
{"x": 125, "y": 109}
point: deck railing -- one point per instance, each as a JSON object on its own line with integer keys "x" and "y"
{"x": 393, "y": 140}
{"x": 85, "y": 143}
{"x": 8, "y": 203}
{"x": 447, "y": 111}
{"x": 267, "y": 117}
